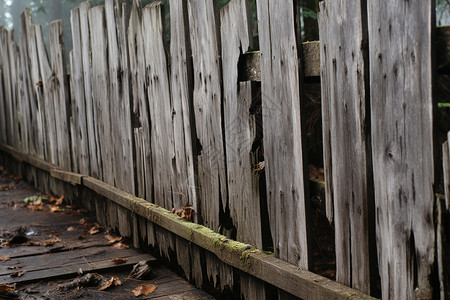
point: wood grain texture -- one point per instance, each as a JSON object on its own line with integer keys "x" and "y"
{"x": 100, "y": 91}
{"x": 3, "y": 136}
{"x": 61, "y": 97}
{"x": 181, "y": 85}
{"x": 446, "y": 168}
{"x": 91, "y": 113}
{"x": 140, "y": 106}
{"x": 120, "y": 102}
{"x": 79, "y": 133}
{"x": 205, "y": 41}
{"x": 401, "y": 71}
{"x": 284, "y": 167}
{"x": 158, "y": 97}
{"x": 344, "y": 102}
{"x": 240, "y": 126}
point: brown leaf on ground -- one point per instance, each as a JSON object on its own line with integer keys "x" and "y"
{"x": 54, "y": 209}
{"x": 7, "y": 187}
{"x": 94, "y": 230}
{"x": 5, "y": 258}
{"x": 37, "y": 205}
{"x": 33, "y": 243}
{"x": 51, "y": 242}
{"x": 108, "y": 283}
{"x": 18, "y": 274}
{"x": 118, "y": 260}
{"x": 120, "y": 246}
{"x": 113, "y": 240}
{"x": 144, "y": 289}
{"x": 82, "y": 221}
{"x": 58, "y": 201}
{"x": 14, "y": 267}
{"x": 71, "y": 228}
{"x": 6, "y": 287}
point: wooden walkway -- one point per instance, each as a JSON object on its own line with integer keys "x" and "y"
{"x": 41, "y": 251}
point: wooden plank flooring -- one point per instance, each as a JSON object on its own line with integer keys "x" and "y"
{"x": 48, "y": 266}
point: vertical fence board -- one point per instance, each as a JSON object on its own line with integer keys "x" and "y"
{"x": 157, "y": 80}
{"x": 402, "y": 136}
{"x": 7, "y": 85}
{"x": 446, "y": 167}
{"x": 282, "y": 131}
{"x": 61, "y": 96}
{"x": 140, "y": 113}
{"x": 343, "y": 65}
{"x": 100, "y": 92}
{"x": 3, "y": 137}
{"x": 240, "y": 125}
{"x": 181, "y": 89}
{"x": 80, "y": 146}
{"x": 13, "y": 73}
{"x": 207, "y": 109}
{"x": 91, "y": 114}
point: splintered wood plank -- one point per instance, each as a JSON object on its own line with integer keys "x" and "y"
{"x": 240, "y": 125}
{"x": 140, "y": 106}
{"x": 3, "y": 137}
{"x": 13, "y": 73}
{"x": 158, "y": 93}
{"x": 100, "y": 91}
{"x": 185, "y": 190}
{"x": 120, "y": 96}
{"x": 91, "y": 114}
{"x": 207, "y": 109}
{"x": 4, "y": 51}
{"x": 401, "y": 71}
{"x": 61, "y": 97}
{"x": 71, "y": 268}
{"x": 284, "y": 166}
{"x": 345, "y": 102}
{"x": 47, "y": 85}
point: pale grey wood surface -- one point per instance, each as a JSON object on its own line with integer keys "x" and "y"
{"x": 158, "y": 97}
{"x": 345, "y": 102}
{"x": 280, "y": 88}
{"x": 119, "y": 92}
{"x": 140, "y": 110}
{"x": 3, "y": 137}
{"x": 8, "y": 93}
{"x": 61, "y": 97}
{"x": 185, "y": 189}
{"x": 401, "y": 68}
{"x": 240, "y": 125}
{"x": 79, "y": 132}
{"x": 100, "y": 92}
{"x": 204, "y": 39}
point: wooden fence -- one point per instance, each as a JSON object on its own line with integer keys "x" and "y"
{"x": 183, "y": 125}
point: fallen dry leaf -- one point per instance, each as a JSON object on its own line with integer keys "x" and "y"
{"x": 51, "y": 242}
{"x": 71, "y": 228}
{"x": 18, "y": 274}
{"x": 6, "y": 287}
{"x": 185, "y": 212}
{"x": 111, "y": 282}
{"x": 120, "y": 246}
{"x": 118, "y": 260}
{"x": 33, "y": 243}
{"x": 58, "y": 201}
{"x": 14, "y": 267}
{"x": 54, "y": 209}
{"x": 94, "y": 230}
{"x": 144, "y": 290}
{"x": 5, "y": 258}
{"x": 7, "y": 187}
{"x": 112, "y": 240}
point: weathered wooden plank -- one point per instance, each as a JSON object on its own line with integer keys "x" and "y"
{"x": 185, "y": 190}
{"x": 140, "y": 110}
{"x": 69, "y": 177}
{"x": 91, "y": 113}
{"x": 402, "y": 144}
{"x": 119, "y": 96}
{"x": 3, "y": 137}
{"x": 446, "y": 168}
{"x": 240, "y": 125}
{"x": 61, "y": 97}
{"x": 47, "y": 86}
{"x": 345, "y": 103}
{"x": 14, "y": 61}
{"x": 284, "y": 162}
{"x": 158, "y": 93}
{"x": 79, "y": 134}
{"x": 8, "y": 93}
{"x": 207, "y": 109}
{"x": 100, "y": 91}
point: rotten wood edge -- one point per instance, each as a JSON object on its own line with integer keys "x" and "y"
{"x": 298, "y": 282}
{"x": 250, "y": 62}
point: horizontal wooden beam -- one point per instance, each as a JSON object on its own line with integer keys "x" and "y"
{"x": 250, "y": 62}
{"x": 298, "y": 282}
